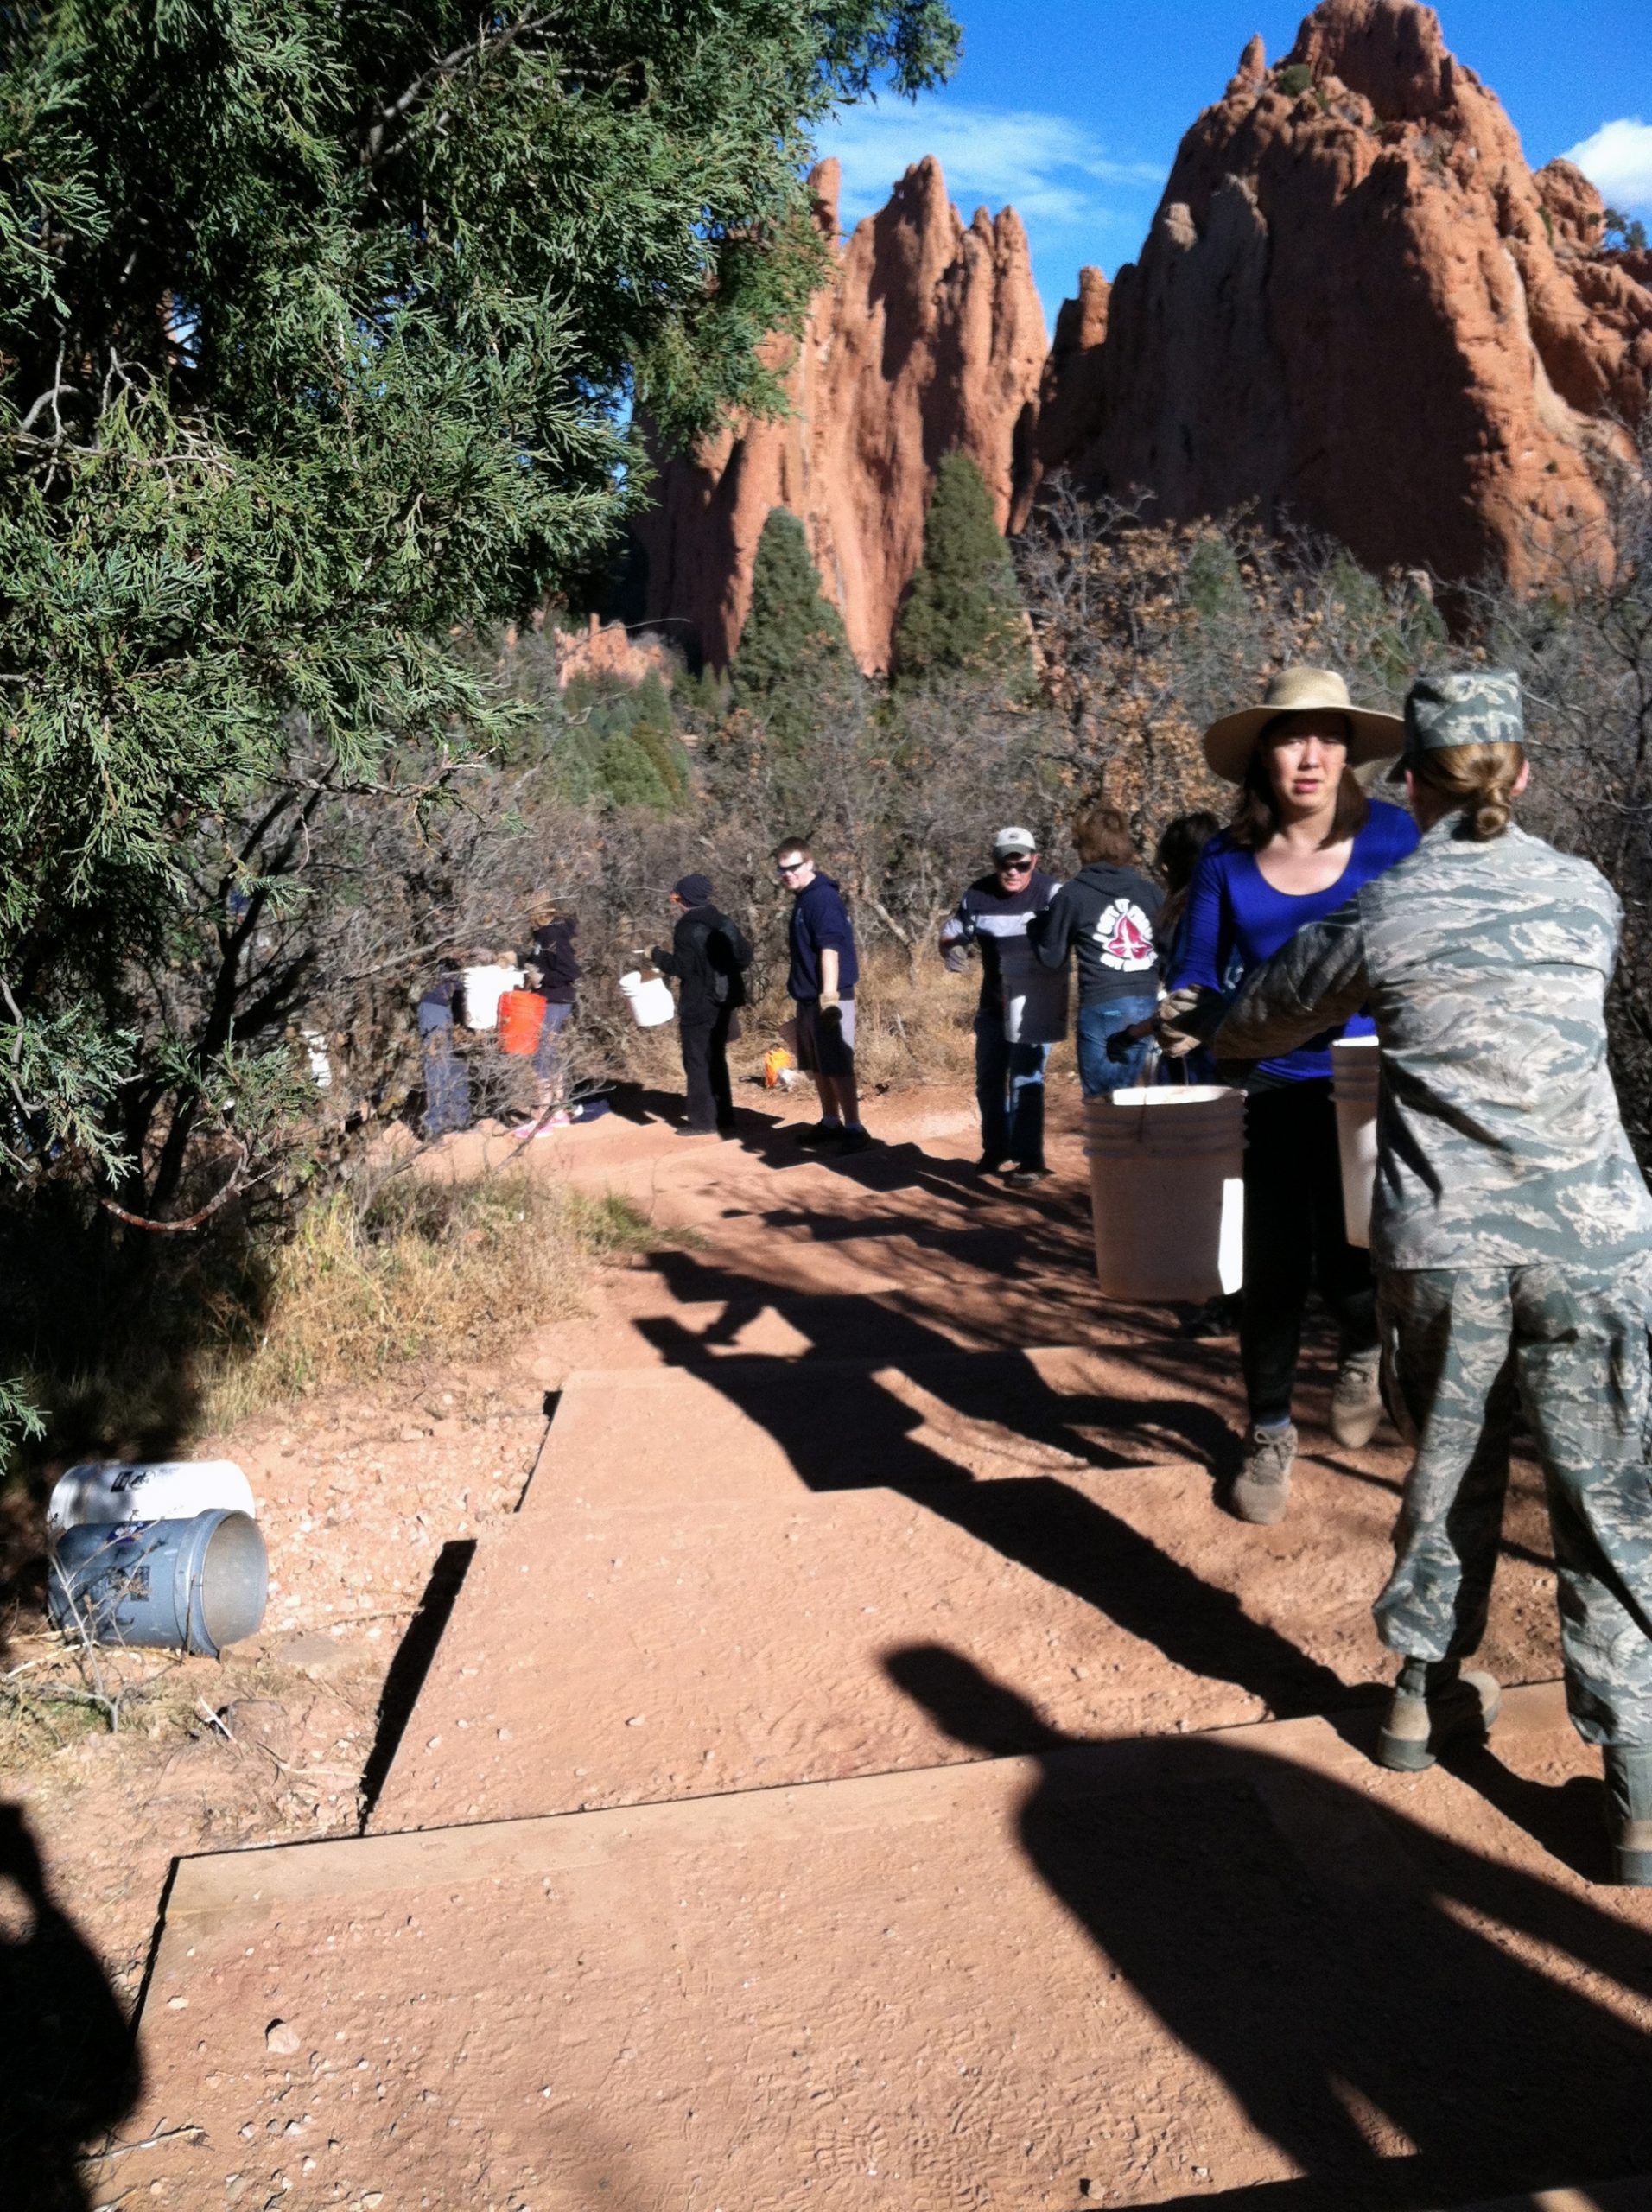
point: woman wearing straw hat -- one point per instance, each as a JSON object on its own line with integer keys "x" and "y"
{"x": 1303, "y": 838}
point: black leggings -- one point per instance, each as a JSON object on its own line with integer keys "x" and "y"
{"x": 1294, "y": 1240}
{"x": 705, "y": 1067}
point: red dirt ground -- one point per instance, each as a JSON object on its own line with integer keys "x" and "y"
{"x": 879, "y": 1624}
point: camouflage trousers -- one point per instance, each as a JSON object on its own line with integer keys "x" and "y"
{"x": 1458, "y": 1348}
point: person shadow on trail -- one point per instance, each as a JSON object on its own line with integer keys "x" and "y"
{"x": 69, "y": 2071}
{"x": 1356, "y": 1979}
{"x": 1057, "y": 1531}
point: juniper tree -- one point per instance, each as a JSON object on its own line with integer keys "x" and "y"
{"x": 964, "y": 610}
{"x": 321, "y": 327}
{"x": 793, "y": 666}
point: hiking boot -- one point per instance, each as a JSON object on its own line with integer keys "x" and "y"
{"x": 1263, "y": 1490}
{"x": 1026, "y": 1178}
{"x": 1434, "y": 1703}
{"x": 818, "y": 1133}
{"x": 856, "y": 1141}
{"x": 1357, "y": 1400}
{"x": 1629, "y": 1812}
{"x": 692, "y": 1129}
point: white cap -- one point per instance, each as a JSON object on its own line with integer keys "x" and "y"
{"x": 1013, "y": 841}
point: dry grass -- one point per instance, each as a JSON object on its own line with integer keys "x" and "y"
{"x": 429, "y": 1269}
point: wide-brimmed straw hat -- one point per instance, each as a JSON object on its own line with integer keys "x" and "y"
{"x": 1229, "y": 743}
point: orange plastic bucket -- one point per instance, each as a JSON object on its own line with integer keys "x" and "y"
{"x": 522, "y": 1016}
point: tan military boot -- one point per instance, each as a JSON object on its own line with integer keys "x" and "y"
{"x": 1357, "y": 1400}
{"x": 1263, "y": 1490}
{"x": 1629, "y": 1812}
{"x": 1434, "y": 1703}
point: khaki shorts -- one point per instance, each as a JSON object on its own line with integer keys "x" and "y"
{"x": 826, "y": 1041}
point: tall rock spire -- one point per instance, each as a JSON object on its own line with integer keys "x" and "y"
{"x": 1358, "y": 307}
{"x": 928, "y": 339}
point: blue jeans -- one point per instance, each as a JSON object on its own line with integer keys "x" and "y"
{"x": 1009, "y": 1089}
{"x": 1104, "y": 1018}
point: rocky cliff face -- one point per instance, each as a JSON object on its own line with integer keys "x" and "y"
{"x": 930, "y": 339}
{"x": 1357, "y": 305}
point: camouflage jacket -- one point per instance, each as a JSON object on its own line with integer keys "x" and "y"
{"x": 1499, "y": 1140}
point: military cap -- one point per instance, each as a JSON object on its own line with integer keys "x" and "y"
{"x": 1478, "y": 707}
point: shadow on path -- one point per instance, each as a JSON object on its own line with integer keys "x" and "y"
{"x": 850, "y": 1432}
{"x": 68, "y": 2061}
{"x": 1356, "y": 1981}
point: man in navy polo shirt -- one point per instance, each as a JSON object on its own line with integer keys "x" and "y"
{"x": 824, "y": 973}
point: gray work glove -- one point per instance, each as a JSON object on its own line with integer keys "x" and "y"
{"x": 1176, "y": 1010}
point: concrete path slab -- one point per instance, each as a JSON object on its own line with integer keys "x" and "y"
{"x": 603, "y": 1656}
{"x": 615, "y": 1658}
{"x": 759, "y": 1428}
{"x": 1169, "y": 1973}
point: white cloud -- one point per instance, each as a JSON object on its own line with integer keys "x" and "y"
{"x": 1617, "y": 160}
{"x": 1049, "y": 168}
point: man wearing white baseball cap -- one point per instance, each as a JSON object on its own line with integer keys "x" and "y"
{"x": 1023, "y": 1008}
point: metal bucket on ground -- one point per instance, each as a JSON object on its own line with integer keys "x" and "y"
{"x": 649, "y": 997}
{"x": 522, "y": 1016}
{"x": 1166, "y": 1189}
{"x": 484, "y": 989}
{"x": 147, "y": 1489}
{"x": 1355, "y": 1065}
{"x": 173, "y": 1585}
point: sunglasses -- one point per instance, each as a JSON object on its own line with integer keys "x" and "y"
{"x": 1012, "y": 865}
{"x": 792, "y": 867}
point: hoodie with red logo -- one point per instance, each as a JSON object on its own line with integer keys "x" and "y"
{"x": 1107, "y": 913}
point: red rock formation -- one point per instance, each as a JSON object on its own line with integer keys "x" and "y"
{"x": 929, "y": 339}
{"x": 1358, "y": 305}
{"x": 1070, "y": 391}
{"x": 607, "y": 649}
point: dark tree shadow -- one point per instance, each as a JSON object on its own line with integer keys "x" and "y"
{"x": 1318, "y": 1951}
{"x": 69, "y": 2071}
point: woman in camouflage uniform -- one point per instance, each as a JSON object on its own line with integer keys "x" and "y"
{"x": 1510, "y": 1228}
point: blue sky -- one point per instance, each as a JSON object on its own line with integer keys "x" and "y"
{"x": 1071, "y": 110}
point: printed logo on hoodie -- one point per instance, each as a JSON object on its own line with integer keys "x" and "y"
{"x": 1125, "y": 937}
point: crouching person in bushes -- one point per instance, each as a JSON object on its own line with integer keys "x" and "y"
{"x": 1511, "y": 1231}
{"x": 447, "y": 1082}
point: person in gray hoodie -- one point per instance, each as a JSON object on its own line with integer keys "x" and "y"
{"x": 1108, "y": 915}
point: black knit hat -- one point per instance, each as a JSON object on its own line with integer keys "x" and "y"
{"x": 693, "y": 890}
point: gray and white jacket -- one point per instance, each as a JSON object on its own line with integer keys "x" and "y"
{"x": 1485, "y": 967}
{"x": 1015, "y": 987}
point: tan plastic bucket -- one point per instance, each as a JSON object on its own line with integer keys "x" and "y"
{"x": 1356, "y": 1064}
{"x": 1166, "y": 1192}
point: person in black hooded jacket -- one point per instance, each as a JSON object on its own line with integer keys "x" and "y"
{"x": 1109, "y": 914}
{"x": 550, "y": 962}
{"x": 708, "y": 956}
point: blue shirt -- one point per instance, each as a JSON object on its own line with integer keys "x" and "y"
{"x": 1236, "y": 919}
{"x": 820, "y": 922}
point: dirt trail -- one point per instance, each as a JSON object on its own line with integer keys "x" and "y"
{"x": 867, "y": 1770}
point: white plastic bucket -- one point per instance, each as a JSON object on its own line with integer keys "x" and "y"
{"x": 147, "y": 1489}
{"x": 1356, "y": 1064}
{"x": 648, "y": 996}
{"x": 1167, "y": 1194}
{"x": 484, "y": 989}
